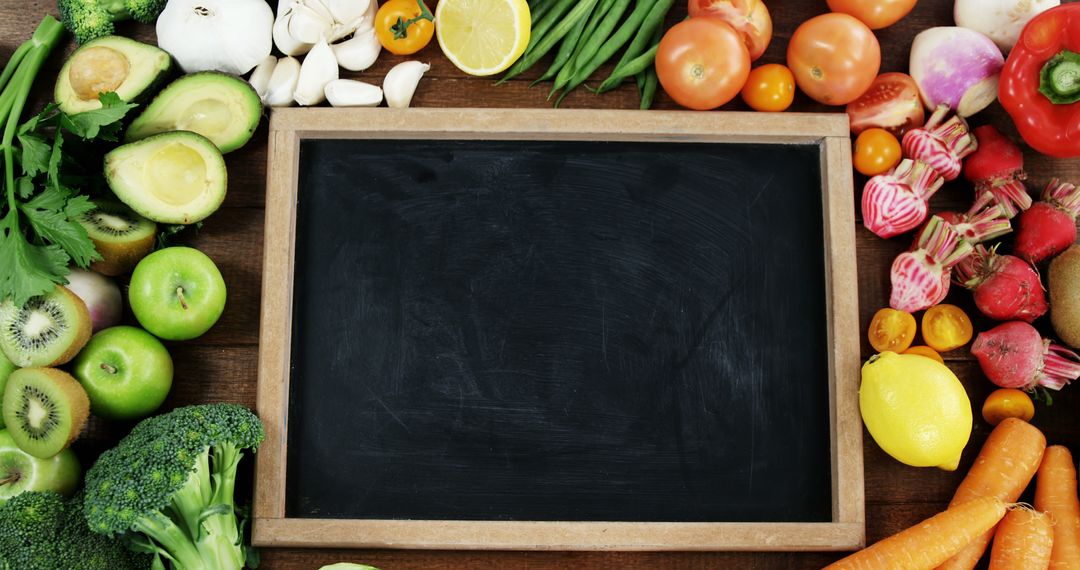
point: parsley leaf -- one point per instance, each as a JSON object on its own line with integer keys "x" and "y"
{"x": 35, "y": 154}
{"x": 48, "y": 217}
{"x": 103, "y": 123}
{"x": 28, "y": 270}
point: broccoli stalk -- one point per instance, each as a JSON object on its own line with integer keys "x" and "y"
{"x": 167, "y": 488}
{"x": 89, "y": 19}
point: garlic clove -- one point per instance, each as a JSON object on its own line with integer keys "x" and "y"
{"x": 319, "y": 68}
{"x": 358, "y": 52}
{"x": 307, "y": 25}
{"x": 349, "y": 93}
{"x": 319, "y": 7}
{"x": 260, "y": 78}
{"x": 287, "y": 44}
{"x": 282, "y": 84}
{"x": 346, "y": 11}
{"x": 401, "y": 81}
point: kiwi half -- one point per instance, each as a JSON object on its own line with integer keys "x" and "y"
{"x": 45, "y": 331}
{"x": 121, "y": 236}
{"x": 6, "y": 368}
{"x": 44, "y": 409}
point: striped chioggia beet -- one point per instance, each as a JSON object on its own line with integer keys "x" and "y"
{"x": 1006, "y": 288}
{"x": 896, "y": 202}
{"x": 1013, "y": 355}
{"x": 997, "y": 166}
{"x": 984, "y": 221}
{"x": 941, "y": 144}
{"x": 920, "y": 278}
{"x": 1048, "y": 227}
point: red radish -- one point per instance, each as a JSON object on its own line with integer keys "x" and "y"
{"x": 1013, "y": 355}
{"x": 1006, "y": 288}
{"x": 1049, "y": 227}
{"x": 984, "y": 221}
{"x": 997, "y": 166}
{"x": 920, "y": 278}
{"x": 896, "y": 202}
{"x": 941, "y": 144}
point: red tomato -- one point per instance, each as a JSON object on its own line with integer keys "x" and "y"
{"x": 834, "y": 57}
{"x": 749, "y": 17}
{"x": 891, "y": 103}
{"x": 702, "y": 63}
{"x": 874, "y": 13}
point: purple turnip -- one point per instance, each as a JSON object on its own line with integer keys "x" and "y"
{"x": 101, "y": 295}
{"x": 957, "y": 67}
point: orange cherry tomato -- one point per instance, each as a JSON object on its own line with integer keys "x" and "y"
{"x": 876, "y": 14}
{"x": 891, "y": 330}
{"x": 702, "y": 63}
{"x": 404, "y": 26}
{"x": 1007, "y": 403}
{"x": 770, "y": 87}
{"x": 876, "y": 150}
{"x": 749, "y": 17}
{"x": 946, "y": 327}
{"x": 925, "y": 351}
{"x": 834, "y": 57}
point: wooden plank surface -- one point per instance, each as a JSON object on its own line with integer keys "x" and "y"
{"x": 221, "y": 366}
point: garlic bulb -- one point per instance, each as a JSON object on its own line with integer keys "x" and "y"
{"x": 223, "y": 35}
{"x": 284, "y": 42}
{"x": 349, "y": 93}
{"x": 346, "y": 11}
{"x": 401, "y": 81}
{"x": 358, "y": 52}
{"x": 319, "y": 68}
{"x": 308, "y": 25}
{"x": 260, "y": 78}
{"x": 282, "y": 84}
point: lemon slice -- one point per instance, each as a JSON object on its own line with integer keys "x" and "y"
{"x": 482, "y": 37}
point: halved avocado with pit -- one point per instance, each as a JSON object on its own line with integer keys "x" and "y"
{"x": 218, "y": 106}
{"x": 173, "y": 178}
{"x": 112, "y": 63}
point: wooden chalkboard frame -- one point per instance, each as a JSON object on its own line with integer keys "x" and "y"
{"x": 288, "y": 127}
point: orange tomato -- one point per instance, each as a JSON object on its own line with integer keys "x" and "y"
{"x": 876, "y": 14}
{"x": 946, "y": 327}
{"x": 925, "y": 351}
{"x": 702, "y": 63}
{"x": 404, "y": 26}
{"x": 834, "y": 57}
{"x": 1007, "y": 403}
{"x": 891, "y": 330}
{"x": 770, "y": 87}
{"x": 876, "y": 150}
{"x": 749, "y": 17}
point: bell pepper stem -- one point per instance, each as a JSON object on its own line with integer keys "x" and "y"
{"x": 1059, "y": 79}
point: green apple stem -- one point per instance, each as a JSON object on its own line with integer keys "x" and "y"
{"x": 108, "y": 368}
{"x": 13, "y": 478}
{"x": 180, "y": 294}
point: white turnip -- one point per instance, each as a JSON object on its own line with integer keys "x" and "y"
{"x": 999, "y": 20}
{"x": 101, "y": 295}
{"x": 957, "y": 67}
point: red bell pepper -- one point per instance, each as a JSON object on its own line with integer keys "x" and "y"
{"x": 1040, "y": 83}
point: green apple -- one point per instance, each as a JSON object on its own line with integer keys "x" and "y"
{"x": 177, "y": 293}
{"x": 6, "y": 368}
{"x": 127, "y": 373}
{"x": 20, "y": 471}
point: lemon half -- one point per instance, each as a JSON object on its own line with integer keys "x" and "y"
{"x": 483, "y": 37}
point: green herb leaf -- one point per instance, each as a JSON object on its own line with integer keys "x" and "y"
{"x": 24, "y": 187}
{"x": 103, "y": 123}
{"x": 48, "y": 217}
{"x": 53, "y": 172}
{"x": 1059, "y": 79}
{"x": 29, "y": 270}
{"x": 78, "y": 206}
{"x": 35, "y": 154}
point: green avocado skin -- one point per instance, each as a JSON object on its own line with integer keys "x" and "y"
{"x": 149, "y": 67}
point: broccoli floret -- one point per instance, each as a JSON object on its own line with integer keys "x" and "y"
{"x": 89, "y": 19}
{"x": 168, "y": 486}
{"x": 42, "y": 531}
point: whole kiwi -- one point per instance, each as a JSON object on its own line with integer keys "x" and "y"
{"x": 1065, "y": 296}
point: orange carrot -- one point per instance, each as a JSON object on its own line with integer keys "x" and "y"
{"x": 929, "y": 543}
{"x": 1023, "y": 541}
{"x": 1055, "y": 494}
{"x": 1005, "y": 465}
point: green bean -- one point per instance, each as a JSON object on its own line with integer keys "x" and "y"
{"x": 640, "y": 80}
{"x": 612, "y": 45}
{"x": 591, "y": 45}
{"x": 644, "y": 38}
{"x": 648, "y": 92}
{"x": 557, "y": 33}
{"x": 633, "y": 67}
{"x": 566, "y": 49}
{"x": 538, "y": 10}
{"x": 550, "y": 19}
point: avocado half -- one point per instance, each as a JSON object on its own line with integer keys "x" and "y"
{"x": 218, "y": 106}
{"x": 173, "y": 178}
{"x": 111, "y": 63}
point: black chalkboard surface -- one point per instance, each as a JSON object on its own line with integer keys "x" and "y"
{"x": 558, "y": 331}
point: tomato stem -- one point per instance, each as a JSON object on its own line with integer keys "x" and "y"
{"x": 401, "y": 27}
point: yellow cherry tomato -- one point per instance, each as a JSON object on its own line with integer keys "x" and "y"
{"x": 876, "y": 150}
{"x": 891, "y": 330}
{"x": 926, "y": 351}
{"x": 770, "y": 87}
{"x": 404, "y": 26}
{"x": 946, "y": 327}
{"x": 1007, "y": 403}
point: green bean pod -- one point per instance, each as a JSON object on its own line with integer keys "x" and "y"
{"x": 646, "y": 34}
{"x": 648, "y": 92}
{"x": 557, "y": 33}
{"x": 566, "y": 50}
{"x": 639, "y": 64}
{"x": 596, "y": 39}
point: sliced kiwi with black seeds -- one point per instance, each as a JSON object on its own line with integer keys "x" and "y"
{"x": 121, "y": 236}
{"x": 44, "y": 409}
{"x": 44, "y": 331}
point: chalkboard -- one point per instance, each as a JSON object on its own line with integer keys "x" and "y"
{"x": 559, "y": 330}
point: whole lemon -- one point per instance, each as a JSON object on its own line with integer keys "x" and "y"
{"x": 916, "y": 409}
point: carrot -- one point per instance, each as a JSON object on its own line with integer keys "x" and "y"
{"x": 1005, "y": 465}
{"x": 1023, "y": 541}
{"x": 929, "y": 543}
{"x": 1055, "y": 494}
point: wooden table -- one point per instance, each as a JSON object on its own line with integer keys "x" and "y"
{"x": 221, "y": 366}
